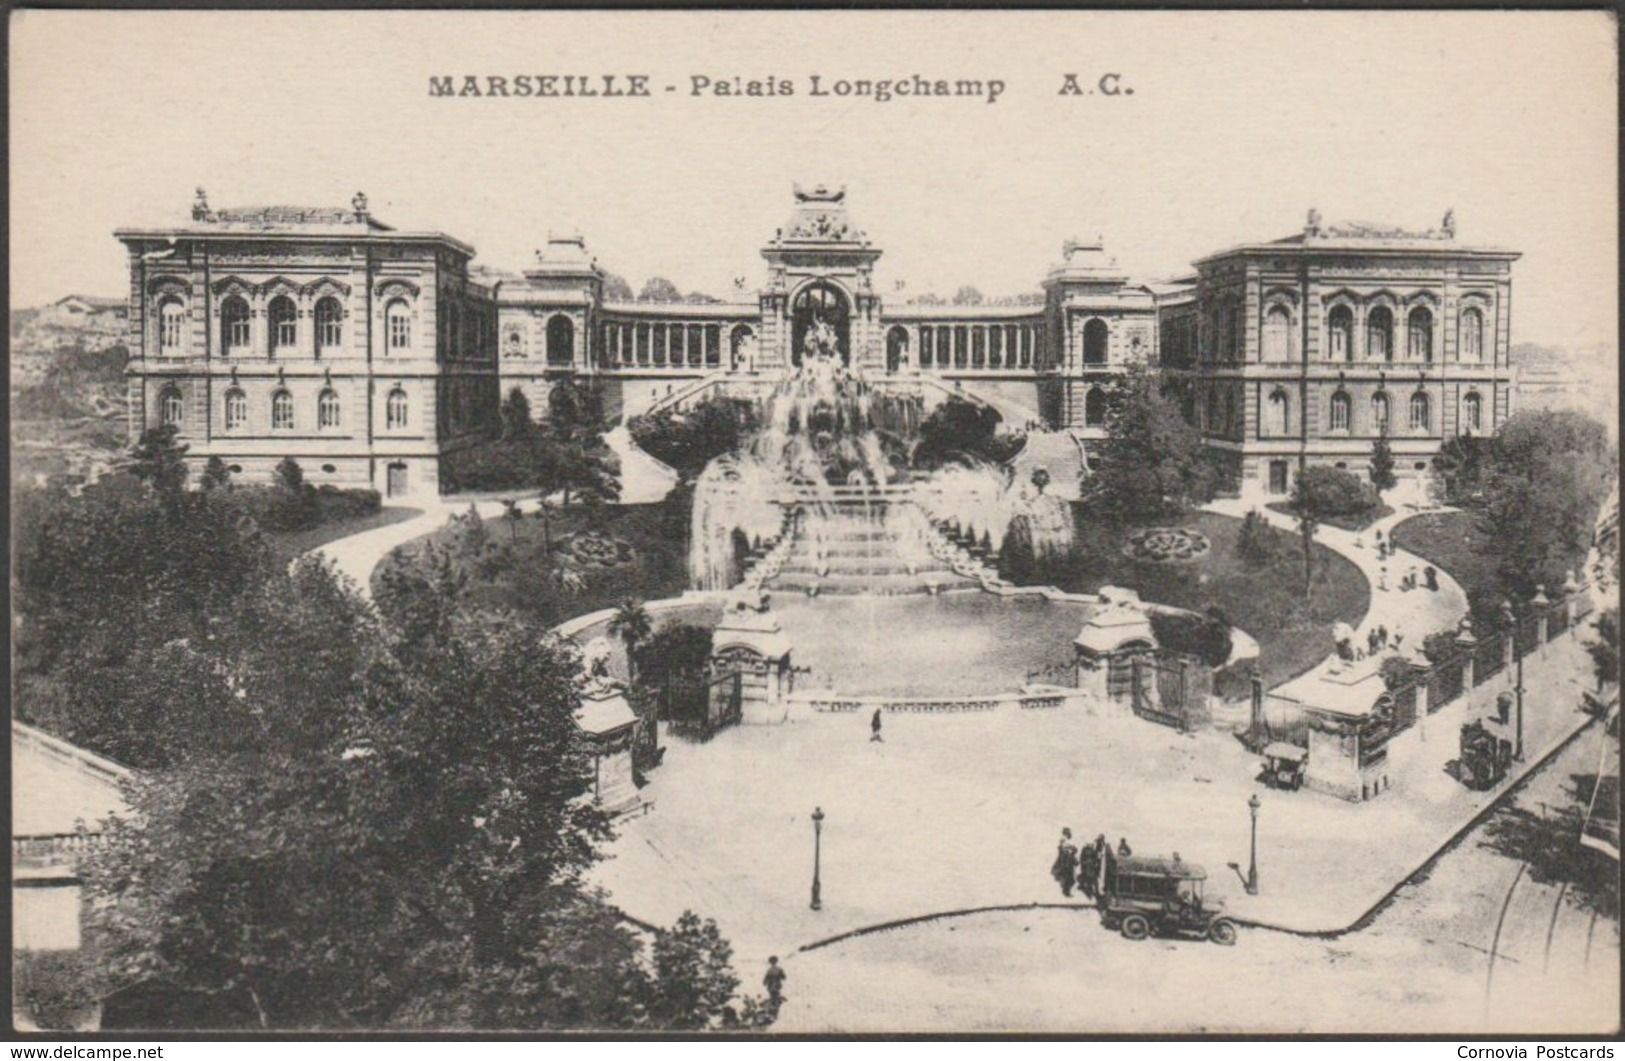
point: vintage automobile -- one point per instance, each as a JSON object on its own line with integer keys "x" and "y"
{"x": 1162, "y": 896}
{"x": 1485, "y": 757}
{"x": 1283, "y": 765}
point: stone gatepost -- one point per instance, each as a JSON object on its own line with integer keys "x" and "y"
{"x": 1117, "y": 629}
{"x": 751, "y": 642}
{"x": 1540, "y": 602}
{"x": 1468, "y": 643}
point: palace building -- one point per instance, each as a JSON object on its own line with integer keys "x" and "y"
{"x": 368, "y": 353}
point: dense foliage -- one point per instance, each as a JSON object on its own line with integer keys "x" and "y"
{"x": 1326, "y": 492}
{"x": 562, "y": 454}
{"x": 343, "y": 816}
{"x": 1204, "y": 637}
{"x": 961, "y": 430}
{"x": 1152, "y": 463}
{"x": 691, "y": 439}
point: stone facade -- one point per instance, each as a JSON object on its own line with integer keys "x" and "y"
{"x": 1306, "y": 349}
{"x": 1285, "y": 354}
{"x": 320, "y": 334}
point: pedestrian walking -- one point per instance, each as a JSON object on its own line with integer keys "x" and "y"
{"x": 774, "y": 981}
{"x": 874, "y": 728}
{"x": 1382, "y": 636}
{"x": 1065, "y": 867}
{"x": 1108, "y": 864}
{"x": 1089, "y": 870}
{"x": 1371, "y": 642}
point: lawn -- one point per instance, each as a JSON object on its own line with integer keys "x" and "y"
{"x": 1358, "y": 522}
{"x": 1452, "y": 542}
{"x": 618, "y": 551}
{"x": 1266, "y": 602}
{"x": 289, "y": 544}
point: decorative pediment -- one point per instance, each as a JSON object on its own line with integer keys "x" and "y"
{"x": 167, "y": 284}
{"x": 233, "y": 285}
{"x": 1422, "y": 298}
{"x": 325, "y": 286}
{"x": 397, "y": 288}
{"x": 1281, "y": 294}
{"x": 280, "y": 285}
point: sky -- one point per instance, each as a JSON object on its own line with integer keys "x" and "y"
{"x": 1237, "y": 124}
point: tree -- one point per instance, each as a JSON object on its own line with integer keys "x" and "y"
{"x": 968, "y": 296}
{"x": 1382, "y": 462}
{"x": 512, "y": 516}
{"x": 659, "y": 289}
{"x": 674, "y": 649}
{"x": 1040, "y": 479}
{"x": 1460, "y": 463}
{"x": 1331, "y": 492}
{"x": 631, "y": 624}
{"x": 517, "y": 424}
{"x": 160, "y": 461}
{"x": 693, "y": 982}
{"x": 616, "y": 289}
{"x": 375, "y": 843}
{"x": 1152, "y": 464}
{"x": 289, "y": 475}
{"x": 216, "y": 476}
{"x": 1255, "y": 542}
{"x": 1205, "y": 637}
{"x": 955, "y": 430}
{"x": 1544, "y": 481}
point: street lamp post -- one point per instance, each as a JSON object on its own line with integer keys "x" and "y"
{"x": 818, "y": 832}
{"x": 1511, "y": 621}
{"x": 1252, "y": 857}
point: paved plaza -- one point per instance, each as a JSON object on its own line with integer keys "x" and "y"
{"x": 955, "y": 812}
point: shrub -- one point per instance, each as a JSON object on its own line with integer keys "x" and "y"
{"x": 1327, "y": 492}
{"x": 674, "y": 649}
{"x": 52, "y": 990}
{"x": 689, "y": 440}
{"x": 1255, "y": 542}
{"x": 1206, "y": 637}
{"x": 1397, "y": 673}
{"x": 498, "y": 464}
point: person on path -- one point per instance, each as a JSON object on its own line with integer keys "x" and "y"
{"x": 1065, "y": 867}
{"x": 874, "y": 728}
{"x": 1108, "y": 864}
{"x": 1089, "y": 870}
{"x": 774, "y": 982}
{"x": 1382, "y": 636}
{"x": 1123, "y": 850}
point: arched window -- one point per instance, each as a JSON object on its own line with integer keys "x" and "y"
{"x": 1279, "y": 419}
{"x": 561, "y": 340}
{"x": 1341, "y": 411}
{"x": 395, "y": 409}
{"x": 281, "y": 411}
{"x": 327, "y": 408}
{"x": 1340, "y": 334}
{"x": 236, "y": 410}
{"x": 1379, "y": 334}
{"x": 1095, "y": 336}
{"x": 1419, "y": 412}
{"x": 1094, "y": 407}
{"x": 170, "y": 407}
{"x": 234, "y": 325}
{"x": 1419, "y": 335}
{"x": 1277, "y": 334}
{"x": 171, "y": 319}
{"x": 1470, "y": 337}
{"x": 1379, "y": 411}
{"x": 398, "y": 324}
{"x": 329, "y": 325}
{"x": 1472, "y": 408}
{"x": 896, "y": 348}
{"x": 284, "y": 320}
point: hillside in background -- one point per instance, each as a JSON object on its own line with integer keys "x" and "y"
{"x": 1555, "y": 377}
{"x": 68, "y": 401}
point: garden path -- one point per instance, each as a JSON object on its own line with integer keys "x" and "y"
{"x": 1412, "y": 614}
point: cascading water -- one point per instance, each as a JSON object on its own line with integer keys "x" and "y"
{"x": 819, "y": 468}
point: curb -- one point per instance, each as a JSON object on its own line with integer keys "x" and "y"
{"x": 1359, "y": 923}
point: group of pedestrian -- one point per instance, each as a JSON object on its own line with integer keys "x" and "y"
{"x": 1088, "y": 868}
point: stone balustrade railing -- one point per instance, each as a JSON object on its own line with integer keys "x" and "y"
{"x": 1033, "y": 698}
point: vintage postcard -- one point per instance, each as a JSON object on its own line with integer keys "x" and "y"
{"x": 815, "y": 522}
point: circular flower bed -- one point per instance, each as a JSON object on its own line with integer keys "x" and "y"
{"x": 592, "y": 549}
{"x": 1167, "y": 545}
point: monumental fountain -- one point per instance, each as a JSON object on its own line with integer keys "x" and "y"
{"x": 829, "y": 470}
